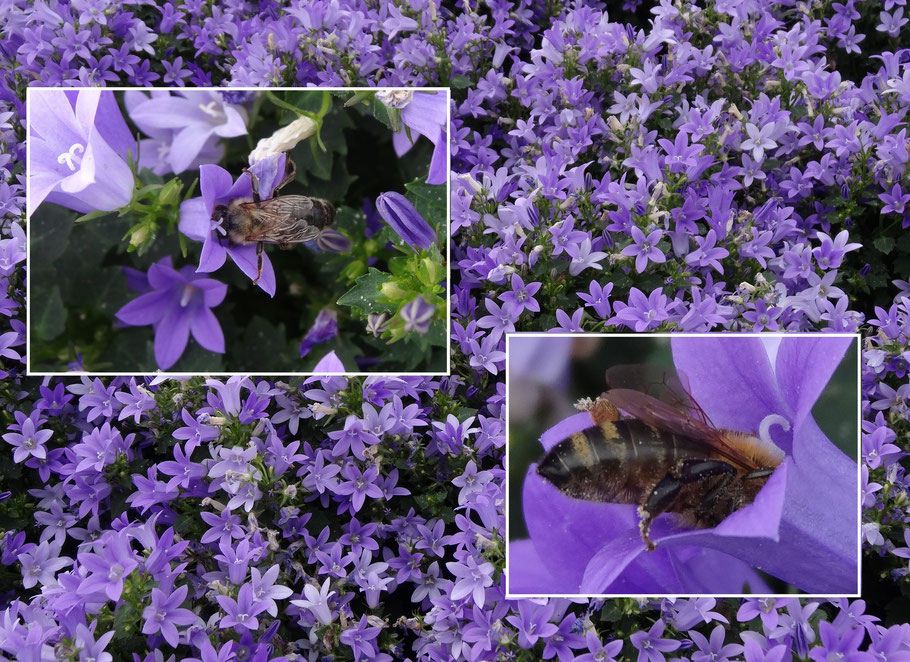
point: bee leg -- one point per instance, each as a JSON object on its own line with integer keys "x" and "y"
{"x": 601, "y": 410}
{"x": 667, "y": 490}
{"x": 758, "y": 473}
{"x": 259, "y": 248}
{"x": 254, "y": 182}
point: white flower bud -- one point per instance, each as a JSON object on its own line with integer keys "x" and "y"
{"x": 284, "y": 139}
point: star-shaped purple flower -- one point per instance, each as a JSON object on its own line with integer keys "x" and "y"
{"x": 179, "y": 303}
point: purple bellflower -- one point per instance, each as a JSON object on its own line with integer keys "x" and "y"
{"x": 802, "y": 527}
{"x": 79, "y": 144}
{"x": 423, "y": 113}
{"x": 193, "y": 119}
{"x": 180, "y": 303}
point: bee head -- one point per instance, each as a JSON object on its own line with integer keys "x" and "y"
{"x": 219, "y": 213}
{"x": 553, "y": 469}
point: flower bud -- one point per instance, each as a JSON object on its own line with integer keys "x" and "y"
{"x": 403, "y": 218}
{"x": 392, "y": 291}
{"x": 332, "y": 241}
{"x": 417, "y": 315}
{"x": 284, "y": 139}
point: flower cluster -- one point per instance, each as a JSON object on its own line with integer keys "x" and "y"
{"x": 674, "y": 166}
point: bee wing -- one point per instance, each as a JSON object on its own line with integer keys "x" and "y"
{"x": 678, "y": 413}
{"x": 284, "y": 220}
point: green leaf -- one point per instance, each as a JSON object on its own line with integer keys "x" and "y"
{"x": 357, "y": 97}
{"x": 49, "y": 234}
{"x": 460, "y": 82}
{"x": 391, "y": 117}
{"x": 365, "y": 293}
{"x": 430, "y": 202}
{"x": 48, "y": 314}
{"x": 92, "y": 215}
{"x": 265, "y": 347}
{"x": 884, "y": 245}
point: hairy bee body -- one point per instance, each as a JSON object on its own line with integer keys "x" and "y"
{"x": 284, "y": 220}
{"x": 623, "y": 461}
{"x": 650, "y": 445}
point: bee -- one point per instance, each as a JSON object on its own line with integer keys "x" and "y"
{"x": 284, "y": 220}
{"x": 652, "y": 446}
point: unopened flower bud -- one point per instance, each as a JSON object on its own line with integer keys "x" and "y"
{"x": 284, "y": 139}
{"x": 404, "y": 219}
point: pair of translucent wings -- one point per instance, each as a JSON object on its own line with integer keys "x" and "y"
{"x": 656, "y": 396}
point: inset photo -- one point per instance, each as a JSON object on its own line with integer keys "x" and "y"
{"x": 281, "y": 231}
{"x": 683, "y": 465}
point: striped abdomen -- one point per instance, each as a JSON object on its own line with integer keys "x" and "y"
{"x": 617, "y": 462}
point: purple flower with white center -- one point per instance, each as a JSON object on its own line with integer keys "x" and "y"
{"x": 473, "y": 578}
{"x": 184, "y": 124}
{"x": 644, "y": 248}
{"x": 115, "y": 562}
{"x": 79, "y": 145}
{"x": 28, "y": 441}
{"x": 651, "y": 647}
{"x": 584, "y": 257}
{"x": 599, "y": 652}
{"x": 324, "y": 329}
{"x": 223, "y": 527}
{"x": 40, "y": 564}
{"x": 706, "y": 254}
{"x": 417, "y": 315}
{"x": 759, "y": 139}
{"x": 352, "y": 439}
{"x": 713, "y": 649}
{"x": 321, "y": 476}
{"x": 197, "y": 222}
{"x": 398, "y": 212}
{"x": 532, "y": 621}
{"x": 360, "y": 639}
{"x": 765, "y": 608}
{"x": 194, "y": 432}
{"x": 836, "y": 646}
{"x": 100, "y": 448}
{"x": 487, "y": 355}
{"x": 359, "y": 485}
{"x": 91, "y": 649}
{"x": 642, "y": 313}
{"x": 501, "y": 319}
{"x": 896, "y": 201}
{"x": 801, "y": 527}
{"x": 179, "y": 303}
{"x": 521, "y": 296}
{"x": 241, "y": 613}
{"x": 316, "y": 600}
{"x": 598, "y": 298}
{"x": 135, "y": 403}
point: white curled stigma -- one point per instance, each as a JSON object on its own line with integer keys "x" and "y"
{"x": 72, "y": 157}
{"x": 764, "y": 429}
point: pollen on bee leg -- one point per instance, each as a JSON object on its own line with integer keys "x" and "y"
{"x": 601, "y": 409}
{"x": 644, "y": 528}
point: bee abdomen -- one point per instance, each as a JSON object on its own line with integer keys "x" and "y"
{"x": 323, "y": 213}
{"x": 587, "y": 465}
